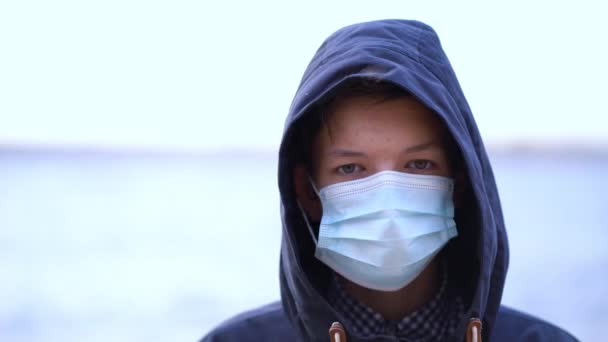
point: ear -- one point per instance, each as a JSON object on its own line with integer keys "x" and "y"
{"x": 305, "y": 194}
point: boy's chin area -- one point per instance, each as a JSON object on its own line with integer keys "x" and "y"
{"x": 395, "y": 305}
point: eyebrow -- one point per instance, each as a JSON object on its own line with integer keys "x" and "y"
{"x": 340, "y": 152}
{"x": 421, "y": 147}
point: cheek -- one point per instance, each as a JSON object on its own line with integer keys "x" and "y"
{"x": 319, "y": 164}
{"x": 446, "y": 170}
{"x": 318, "y": 167}
{"x": 322, "y": 175}
{"x": 445, "y": 166}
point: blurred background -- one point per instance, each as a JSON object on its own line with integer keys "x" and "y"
{"x": 138, "y": 143}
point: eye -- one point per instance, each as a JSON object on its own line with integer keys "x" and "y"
{"x": 420, "y": 164}
{"x": 349, "y": 169}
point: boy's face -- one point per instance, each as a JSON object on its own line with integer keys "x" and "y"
{"x": 366, "y": 135}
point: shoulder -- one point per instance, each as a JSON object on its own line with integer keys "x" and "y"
{"x": 266, "y": 323}
{"x": 513, "y": 325}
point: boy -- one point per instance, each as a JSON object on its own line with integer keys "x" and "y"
{"x": 392, "y": 226}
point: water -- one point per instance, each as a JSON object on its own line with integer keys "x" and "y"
{"x": 109, "y": 247}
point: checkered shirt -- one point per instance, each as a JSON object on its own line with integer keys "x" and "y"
{"x": 435, "y": 321}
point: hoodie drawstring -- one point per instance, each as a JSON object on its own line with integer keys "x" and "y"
{"x": 337, "y": 333}
{"x": 474, "y": 330}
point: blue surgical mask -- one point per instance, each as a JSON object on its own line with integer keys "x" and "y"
{"x": 382, "y": 231}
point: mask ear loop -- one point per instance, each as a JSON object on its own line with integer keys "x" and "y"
{"x": 314, "y": 187}
{"x": 312, "y": 233}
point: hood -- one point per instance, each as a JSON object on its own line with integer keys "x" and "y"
{"x": 409, "y": 54}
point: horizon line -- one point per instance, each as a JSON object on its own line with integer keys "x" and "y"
{"x": 493, "y": 147}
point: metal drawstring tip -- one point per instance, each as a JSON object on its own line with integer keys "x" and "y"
{"x": 337, "y": 333}
{"x": 474, "y": 330}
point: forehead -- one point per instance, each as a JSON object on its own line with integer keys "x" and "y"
{"x": 376, "y": 120}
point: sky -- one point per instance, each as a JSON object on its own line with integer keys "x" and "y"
{"x": 209, "y": 75}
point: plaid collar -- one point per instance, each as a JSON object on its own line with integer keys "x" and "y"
{"x": 436, "y": 320}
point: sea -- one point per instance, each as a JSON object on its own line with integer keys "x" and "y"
{"x": 113, "y": 246}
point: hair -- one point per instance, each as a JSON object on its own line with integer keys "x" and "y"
{"x": 320, "y": 113}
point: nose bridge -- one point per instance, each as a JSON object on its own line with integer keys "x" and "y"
{"x": 385, "y": 161}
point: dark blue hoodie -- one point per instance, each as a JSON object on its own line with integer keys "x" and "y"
{"x": 409, "y": 54}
